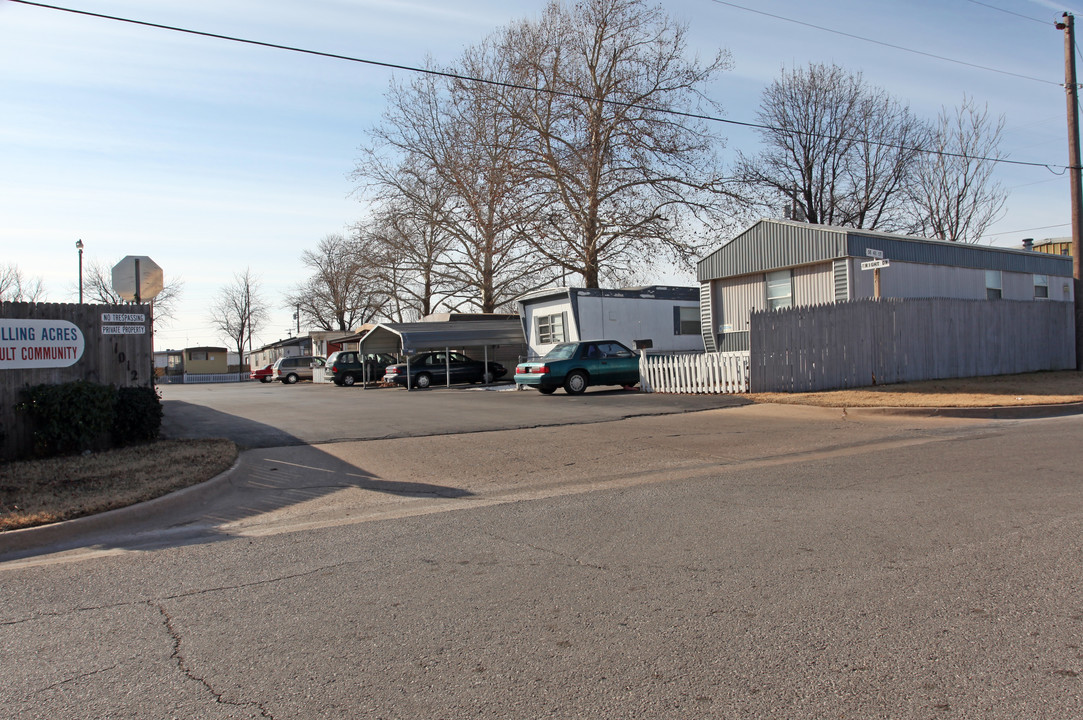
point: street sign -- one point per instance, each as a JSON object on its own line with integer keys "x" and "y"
{"x": 150, "y": 278}
{"x": 878, "y": 254}
{"x": 875, "y": 264}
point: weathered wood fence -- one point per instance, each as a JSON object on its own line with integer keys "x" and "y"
{"x": 870, "y": 342}
{"x": 115, "y": 352}
{"x": 694, "y": 373}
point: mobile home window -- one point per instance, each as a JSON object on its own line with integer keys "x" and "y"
{"x": 779, "y": 289}
{"x": 994, "y": 285}
{"x": 685, "y": 320}
{"x": 550, "y": 329}
{"x": 1041, "y": 286}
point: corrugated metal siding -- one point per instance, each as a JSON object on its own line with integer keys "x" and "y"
{"x": 706, "y": 318}
{"x": 934, "y": 252}
{"x": 813, "y": 284}
{"x": 770, "y": 245}
{"x": 733, "y": 342}
{"x": 910, "y": 280}
{"x": 841, "y": 269}
{"x": 740, "y": 296}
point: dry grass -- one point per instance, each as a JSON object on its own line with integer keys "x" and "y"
{"x": 1044, "y": 388}
{"x": 37, "y": 492}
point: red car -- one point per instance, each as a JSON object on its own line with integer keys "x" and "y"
{"x": 263, "y": 374}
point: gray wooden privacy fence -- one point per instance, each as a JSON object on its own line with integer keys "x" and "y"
{"x": 870, "y": 342}
{"x": 723, "y": 372}
{"x": 54, "y": 343}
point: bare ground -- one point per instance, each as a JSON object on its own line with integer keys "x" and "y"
{"x": 1043, "y": 388}
{"x": 36, "y": 492}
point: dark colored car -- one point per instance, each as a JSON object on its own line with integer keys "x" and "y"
{"x": 263, "y": 374}
{"x": 576, "y": 365}
{"x": 347, "y": 367}
{"x": 433, "y": 367}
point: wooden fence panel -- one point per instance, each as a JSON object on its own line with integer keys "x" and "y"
{"x": 123, "y": 359}
{"x": 870, "y": 342}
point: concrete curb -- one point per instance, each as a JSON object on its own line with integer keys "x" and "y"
{"x": 13, "y": 541}
{"x": 999, "y": 412}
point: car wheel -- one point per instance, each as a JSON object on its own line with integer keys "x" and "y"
{"x": 292, "y": 378}
{"x": 488, "y": 378}
{"x": 265, "y": 379}
{"x": 547, "y": 391}
{"x": 575, "y": 383}
{"x": 423, "y": 380}
{"x": 348, "y": 380}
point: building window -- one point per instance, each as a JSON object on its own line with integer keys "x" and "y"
{"x": 685, "y": 320}
{"x": 551, "y": 329}
{"x": 1041, "y": 286}
{"x": 779, "y": 289}
{"x": 994, "y": 285}
{"x": 198, "y": 355}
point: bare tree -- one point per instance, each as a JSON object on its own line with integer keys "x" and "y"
{"x": 342, "y": 291}
{"x": 15, "y": 286}
{"x": 453, "y": 142}
{"x": 239, "y": 311}
{"x": 838, "y": 151}
{"x": 954, "y": 194}
{"x": 408, "y": 244}
{"x": 621, "y": 178}
{"x": 98, "y": 287}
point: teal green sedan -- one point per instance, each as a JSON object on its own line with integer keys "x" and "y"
{"x": 575, "y": 366}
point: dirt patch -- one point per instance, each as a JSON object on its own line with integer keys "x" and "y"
{"x": 37, "y": 492}
{"x": 1045, "y": 388}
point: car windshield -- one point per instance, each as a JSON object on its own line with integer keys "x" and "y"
{"x": 564, "y": 351}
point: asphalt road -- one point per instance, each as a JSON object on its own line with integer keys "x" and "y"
{"x": 273, "y": 414}
{"x": 754, "y": 562}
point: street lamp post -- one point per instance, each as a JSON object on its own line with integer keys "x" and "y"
{"x": 79, "y": 245}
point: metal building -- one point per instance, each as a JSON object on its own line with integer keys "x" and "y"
{"x": 776, "y": 263}
{"x": 656, "y": 318}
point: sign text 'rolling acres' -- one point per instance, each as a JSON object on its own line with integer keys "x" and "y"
{"x": 39, "y": 344}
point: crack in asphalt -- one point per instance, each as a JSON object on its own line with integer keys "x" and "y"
{"x": 179, "y": 596}
{"x": 549, "y": 551}
{"x": 189, "y": 673}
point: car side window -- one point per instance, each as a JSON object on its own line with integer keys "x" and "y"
{"x": 592, "y": 352}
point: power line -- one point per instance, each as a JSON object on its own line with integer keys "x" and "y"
{"x": 1009, "y": 232}
{"x": 514, "y": 86}
{"x": 1009, "y": 12}
{"x": 886, "y": 44}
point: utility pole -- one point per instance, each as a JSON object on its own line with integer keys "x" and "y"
{"x": 1072, "y": 91}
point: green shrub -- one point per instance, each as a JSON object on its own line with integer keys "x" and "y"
{"x": 82, "y": 415}
{"x": 137, "y": 416}
{"x": 71, "y": 417}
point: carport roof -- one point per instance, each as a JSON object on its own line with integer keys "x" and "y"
{"x": 412, "y": 337}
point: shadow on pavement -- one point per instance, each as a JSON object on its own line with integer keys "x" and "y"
{"x": 277, "y": 478}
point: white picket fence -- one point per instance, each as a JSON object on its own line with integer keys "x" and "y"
{"x": 206, "y": 377}
{"x": 721, "y": 372}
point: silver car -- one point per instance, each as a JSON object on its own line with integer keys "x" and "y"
{"x": 291, "y": 369}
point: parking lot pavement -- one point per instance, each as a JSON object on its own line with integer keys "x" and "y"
{"x": 275, "y": 415}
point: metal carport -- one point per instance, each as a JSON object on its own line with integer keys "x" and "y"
{"x": 410, "y": 338}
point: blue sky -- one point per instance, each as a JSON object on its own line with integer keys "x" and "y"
{"x": 211, "y": 156}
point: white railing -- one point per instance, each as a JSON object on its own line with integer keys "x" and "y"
{"x": 215, "y": 377}
{"x": 722, "y": 372}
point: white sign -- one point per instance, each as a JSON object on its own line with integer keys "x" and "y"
{"x": 875, "y": 264}
{"x": 878, "y": 254}
{"x": 124, "y": 329}
{"x": 123, "y": 317}
{"x": 39, "y": 344}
